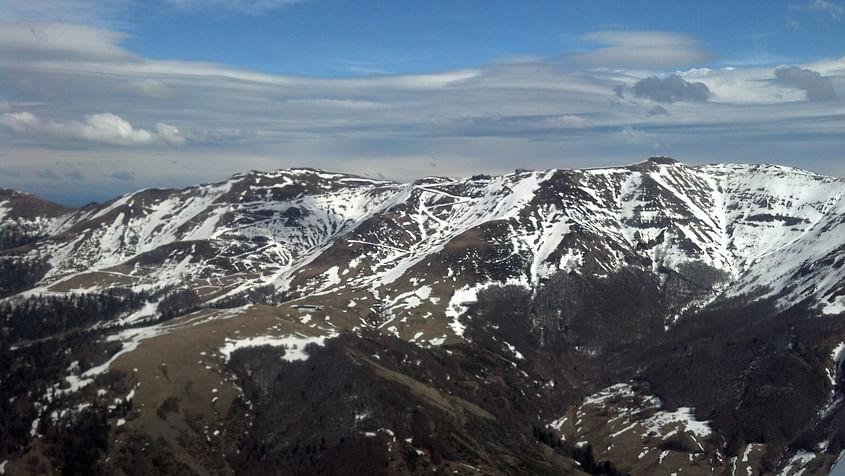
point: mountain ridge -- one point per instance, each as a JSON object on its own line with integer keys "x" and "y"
{"x": 200, "y": 207}
{"x": 580, "y": 266}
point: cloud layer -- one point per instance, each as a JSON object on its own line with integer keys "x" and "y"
{"x": 81, "y": 112}
{"x": 642, "y": 49}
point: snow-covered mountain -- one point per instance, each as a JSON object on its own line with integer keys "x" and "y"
{"x": 27, "y": 218}
{"x": 760, "y": 228}
{"x": 596, "y": 267}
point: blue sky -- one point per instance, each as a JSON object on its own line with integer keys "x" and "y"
{"x": 343, "y": 37}
{"x": 104, "y": 97}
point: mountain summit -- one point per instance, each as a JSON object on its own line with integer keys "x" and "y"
{"x": 644, "y": 319}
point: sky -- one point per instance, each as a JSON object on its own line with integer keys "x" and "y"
{"x": 100, "y": 98}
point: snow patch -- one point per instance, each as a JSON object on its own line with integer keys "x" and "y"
{"x": 798, "y": 464}
{"x": 458, "y": 305}
{"x": 332, "y": 277}
{"x": 614, "y": 391}
{"x": 836, "y": 356}
{"x": 684, "y": 416}
{"x": 294, "y": 345}
{"x": 513, "y": 351}
{"x": 833, "y": 308}
{"x": 148, "y": 310}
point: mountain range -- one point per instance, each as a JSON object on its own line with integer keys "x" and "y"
{"x": 654, "y": 318}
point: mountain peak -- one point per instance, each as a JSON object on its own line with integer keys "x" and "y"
{"x": 663, "y": 160}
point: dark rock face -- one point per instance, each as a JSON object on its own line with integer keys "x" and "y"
{"x": 377, "y": 405}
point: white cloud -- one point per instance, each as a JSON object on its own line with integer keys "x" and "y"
{"x": 170, "y": 134}
{"x": 642, "y": 50}
{"x": 104, "y": 128}
{"x": 20, "y": 122}
{"x": 751, "y": 86}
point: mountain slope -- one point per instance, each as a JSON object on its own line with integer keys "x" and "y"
{"x": 531, "y": 291}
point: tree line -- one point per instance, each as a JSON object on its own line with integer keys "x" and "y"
{"x": 40, "y": 316}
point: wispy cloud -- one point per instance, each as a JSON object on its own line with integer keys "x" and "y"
{"x": 86, "y": 12}
{"x": 150, "y": 88}
{"x": 252, "y": 7}
{"x": 62, "y": 42}
{"x": 829, "y": 8}
{"x": 118, "y": 13}
{"x": 638, "y": 137}
{"x": 642, "y": 50}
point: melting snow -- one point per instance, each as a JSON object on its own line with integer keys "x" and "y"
{"x": 836, "y": 356}
{"x": 458, "y": 306}
{"x": 294, "y": 345}
{"x": 332, "y": 277}
{"x": 798, "y": 464}
{"x": 630, "y": 407}
{"x": 685, "y": 416}
{"x": 149, "y": 309}
{"x": 834, "y": 308}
